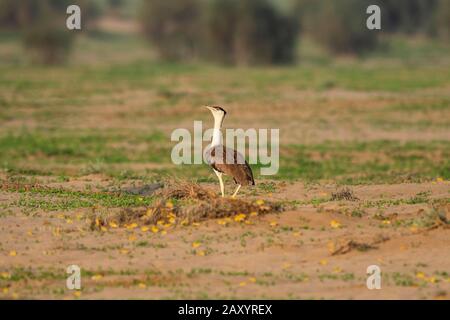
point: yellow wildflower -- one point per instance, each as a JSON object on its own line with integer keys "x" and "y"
{"x": 335, "y": 224}
{"x": 132, "y": 226}
{"x": 420, "y": 275}
{"x": 96, "y": 277}
{"x": 113, "y": 224}
{"x": 5, "y": 275}
{"x": 323, "y": 262}
{"x": 169, "y": 204}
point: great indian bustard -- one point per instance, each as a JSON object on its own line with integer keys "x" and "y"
{"x": 224, "y": 160}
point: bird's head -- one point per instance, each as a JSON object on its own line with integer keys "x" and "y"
{"x": 217, "y": 111}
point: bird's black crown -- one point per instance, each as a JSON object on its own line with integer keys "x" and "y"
{"x": 219, "y": 108}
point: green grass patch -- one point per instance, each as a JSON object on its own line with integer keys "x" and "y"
{"x": 367, "y": 162}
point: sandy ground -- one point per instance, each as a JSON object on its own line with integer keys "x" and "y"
{"x": 312, "y": 251}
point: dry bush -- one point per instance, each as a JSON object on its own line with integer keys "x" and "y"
{"x": 184, "y": 203}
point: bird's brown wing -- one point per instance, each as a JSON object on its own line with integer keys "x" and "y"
{"x": 236, "y": 167}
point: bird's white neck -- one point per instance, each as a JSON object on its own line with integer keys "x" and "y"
{"x": 216, "y": 140}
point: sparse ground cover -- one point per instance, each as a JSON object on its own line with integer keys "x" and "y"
{"x": 73, "y": 138}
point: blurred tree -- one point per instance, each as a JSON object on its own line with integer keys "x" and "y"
{"x": 250, "y": 32}
{"x": 9, "y": 17}
{"x": 173, "y": 27}
{"x": 227, "y": 31}
{"x": 340, "y": 26}
{"x": 42, "y": 24}
{"x": 408, "y": 16}
{"x": 441, "y": 25}
{"x": 115, "y": 3}
{"x": 47, "y": 43}
{"x": 221, "y": 20}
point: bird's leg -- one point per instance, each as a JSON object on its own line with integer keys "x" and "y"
{"x": 222, "y": 187}
{"x": 235, "y": 193}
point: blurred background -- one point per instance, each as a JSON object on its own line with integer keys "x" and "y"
{"x": 229, "y": 32}
{"x": 105, "y": 99}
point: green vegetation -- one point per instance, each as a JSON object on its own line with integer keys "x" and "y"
{"x": 386, "y": 161}
{"x": 66, "y": 200}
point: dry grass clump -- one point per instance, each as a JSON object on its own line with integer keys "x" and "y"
{"x": 436, "y": 217}
{"x": 347, "y": 245}
{"x": 344, "y": 194}
{"x": 187, "y": 190}
{"x": 183, "y": 203}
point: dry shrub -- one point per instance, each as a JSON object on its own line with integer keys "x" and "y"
{"x": 186, "y": 190}
{"x": 184, "y": 203}
{"x": 438, "y": 216}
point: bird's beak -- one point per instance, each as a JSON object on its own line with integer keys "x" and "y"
{"x": 209, "y": 108}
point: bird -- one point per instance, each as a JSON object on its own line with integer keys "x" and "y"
{"x": 224, "y": 160}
